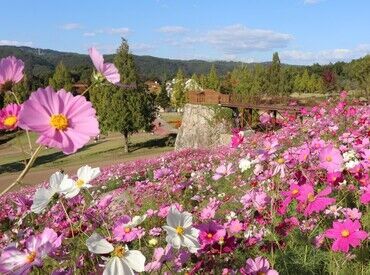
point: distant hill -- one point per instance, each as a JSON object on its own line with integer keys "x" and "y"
{"x": 42, "y": 62}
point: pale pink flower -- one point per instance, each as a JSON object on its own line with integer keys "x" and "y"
{"x": 62, "y": 120}
{"x": 223, "y": 171}
{"x": 331, "y": 159}
{"x": 108, "y": 70}
{"x": 258, "y": 266}
{"x": 11, "y": 72}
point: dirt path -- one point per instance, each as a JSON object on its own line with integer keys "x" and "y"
{"x": 39, "y": 175}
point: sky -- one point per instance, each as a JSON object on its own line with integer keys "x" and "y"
{"x": 302, "y": 31}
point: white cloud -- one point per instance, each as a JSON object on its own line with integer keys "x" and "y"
{"x": 324, "y": 56}
{"x": 89, "y": 34}
{"x": 120, "y": 31}
{"x": 172, "y": 29}
{"x": 15, "y": 43}
{"x": 141, "y": 48}
{"x": 71, "y": 26}
{"x": 239, "y": 39}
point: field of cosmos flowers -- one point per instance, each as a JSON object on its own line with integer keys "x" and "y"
{"x": 290, "y": 201}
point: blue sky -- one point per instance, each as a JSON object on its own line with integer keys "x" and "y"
{"x": 302, "y": 31}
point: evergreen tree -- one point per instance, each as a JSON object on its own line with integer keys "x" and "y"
{"x": 124, "y": 62}
{"x": 162, "y": 98}
{"x": 213, "y": 82}
{"x": 274, "y": 75}
{"x": 178, "y": 94}
{"x": 123, "y": 109}
{"x": 61, "y": 79}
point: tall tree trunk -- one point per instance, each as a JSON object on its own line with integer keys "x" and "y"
{"x": 125, "y": 142}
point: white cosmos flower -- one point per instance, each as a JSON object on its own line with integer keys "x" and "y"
{"x": 180, "y": 231}
{"x": 245, "y": 164}
{"x": 43, "y": 195}
{"x": 122, "y": 261}
{"x": 84, "y": 175}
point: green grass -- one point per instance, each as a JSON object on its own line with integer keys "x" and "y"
{"x": 108, "y": 148}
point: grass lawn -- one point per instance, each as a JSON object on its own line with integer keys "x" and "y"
{"x": 106, "y": 151}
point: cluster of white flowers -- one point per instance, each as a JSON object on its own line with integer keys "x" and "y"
{"x": 350, "y": 159}
{"x": 246, "y": 163}
{"x": 62, "y": 184}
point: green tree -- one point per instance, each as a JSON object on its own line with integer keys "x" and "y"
{"x": 162, "y": 98}
{"x": 178, "y": 97}
{"x": 274, "y": 75}
{"x": 61, "y": 79}
{"x": 126, "y": 109}
{"x": 125, "y": 64}
{"x": 213, "y": 82}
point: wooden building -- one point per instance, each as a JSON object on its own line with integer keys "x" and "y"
{"x": 207, "y": 96}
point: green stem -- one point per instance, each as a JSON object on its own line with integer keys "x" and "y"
{"x": 68, "y": 218}
{"x": 88, "y": 88}
{"x": 24, "y": 172}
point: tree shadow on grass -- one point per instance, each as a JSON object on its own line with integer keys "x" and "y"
{"x": 18, "y": 166}
{"x": 166, "y": 141}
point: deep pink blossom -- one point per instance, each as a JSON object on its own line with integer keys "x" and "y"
{"x": 108, "y": 70}
{"x": 365, "y": 196}
{"x": 315, "y": 203}
{"x": 345, "y": 234}
{"x": 237, "y": 139}
{"x": 11, "y": 72}
{"x": 62, "y": 120}
{"x": 9, "y": 117}
{"x": 211, "y": 232}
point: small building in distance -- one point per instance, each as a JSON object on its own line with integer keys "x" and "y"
{"x": 207, "y": 96}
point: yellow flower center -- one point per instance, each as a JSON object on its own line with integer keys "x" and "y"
{"x": 10, "y": 121}
{"x": 80, "y": 183}
{"x": 127, "y": 229}
{"x": 59, "y": 122}
{"x": 345, "y": 233}
{"x": 209, "y": 235}
{"x": 119, "y": 251}
{"x": 280, "y": 160}
{"x": 328, "y": 158}
{"x": 295, "y": 192}
{"x": 31, "y": 257}
{"x": 310, "y": 197}
{"x": 180, "y": 230}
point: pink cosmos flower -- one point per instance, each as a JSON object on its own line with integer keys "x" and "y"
{"x": 9, "y": 117}
{"x": 353, "y": 214}
{"x": 258, "y": 266}
{"x": 108, "y": 70}
{"x": 13, "y": 261}
{"x": 223, "y": 171}
{"x": 365, "y": 197}
{"x": 258, "y": 199}
{"x": 234, "y": 226}
{"x": 125, "y": 230}
{"x": 237, "y": 138}
{"x": 290, "y": 195}
{"x": 160, "y": 256}
{"x": 315, "y": 203}
{"x": 210, "y": 210}
{"x": 11, "y": 72}
{"x": 346, "y": 234}
{"x": 210, "y": 233}
{"x": 265, "y": 118}
{"x": 331, "y": 159}
{"x": 63, "y": 121}
{"x": 334, "y": 178}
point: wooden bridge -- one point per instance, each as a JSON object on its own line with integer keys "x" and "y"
{"x": 245, "y": 109}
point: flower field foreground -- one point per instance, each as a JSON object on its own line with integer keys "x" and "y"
{"x": 293, "y": 201}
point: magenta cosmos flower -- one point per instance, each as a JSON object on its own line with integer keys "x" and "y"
{"x": 11, "y": 72}
{"x": 331, "y": 159}
{"x": 315, "y": 203}
{"x": 14, "y": 261}
{"x": 107, "y": 70}
{"x": 346, "y": 234}
{"x": 63, "y": 121}
{"x": 126, "y": 228}
{"x": 9, "y": 117}
{"x": 210, "y": 233}
{"x": 258, "y": 266}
